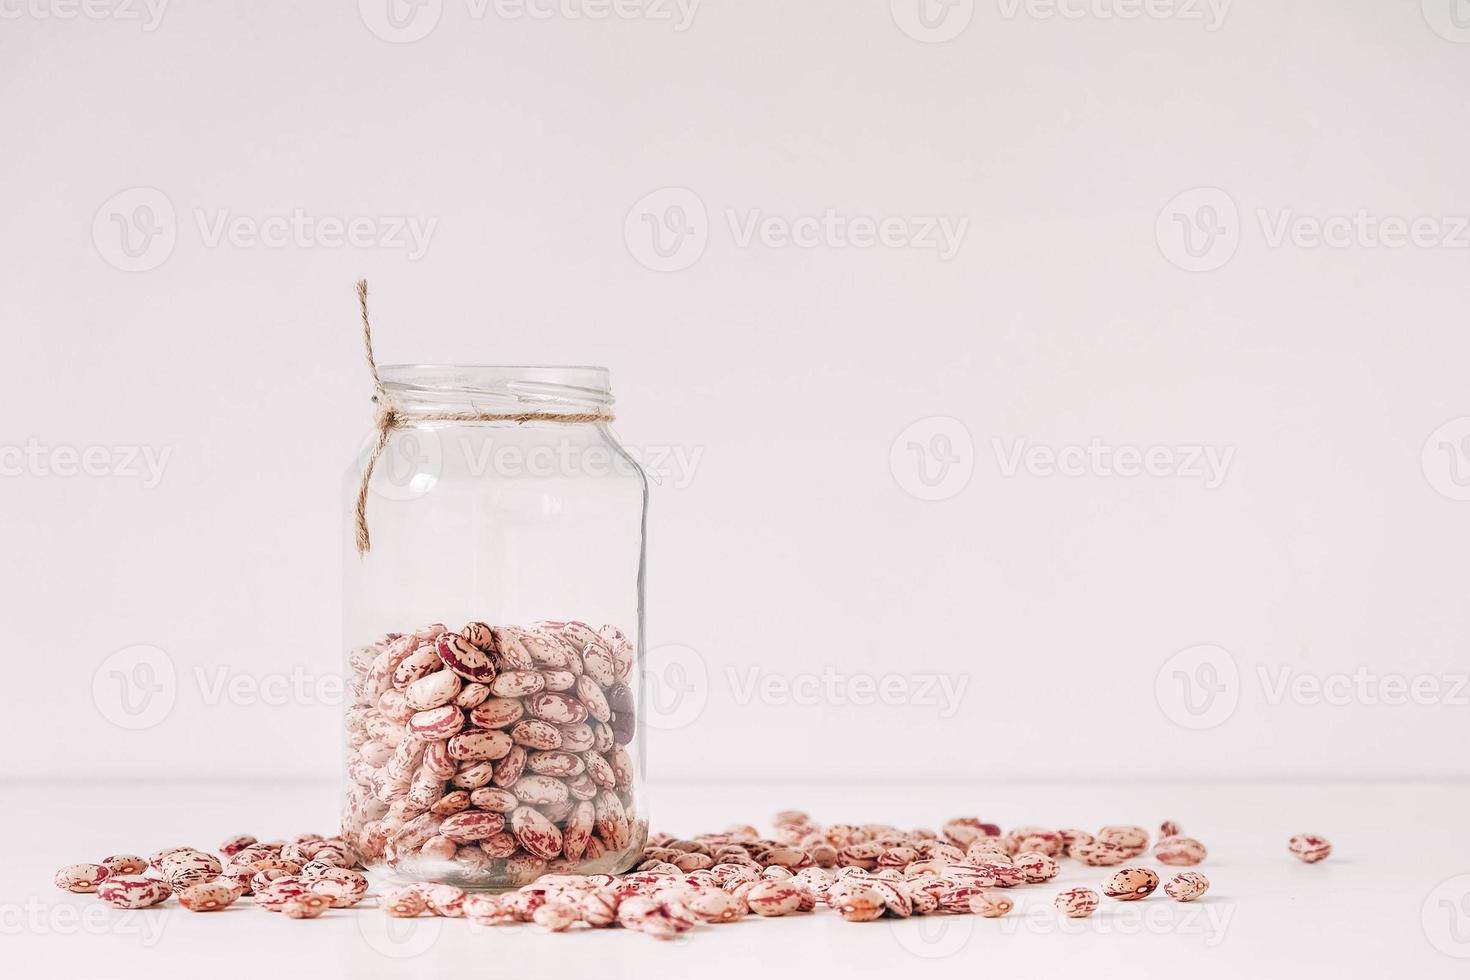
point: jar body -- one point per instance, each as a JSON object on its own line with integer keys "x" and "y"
{"x": 494, "y": 637}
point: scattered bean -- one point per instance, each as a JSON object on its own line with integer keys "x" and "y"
{"x": 132, "y": 891}
{"x": 445, "y": 900}
{"x": 124, "y": 864}
{"x": 533, "y": 833}
{"x": 209, "y": 896}
{"x": 343, "y": 886}
{"x": 1187, "y": 886}
{"x": 863, "y": 905}
{"x": 235, "y": 844}
{"x": 1133, "y": 841}
{"x": 556, "y": 916}
{"x": 1310, "y": 847}
{"x": 308, "y": 906}
{"x": 81, "y": 878}
{"x": 1077, "y": 903}
{"x": 402, "y": 903}
{"x": 1131, "y": 884}
{"x": 991, "y": 904}
{"x": 1178, "y": 850}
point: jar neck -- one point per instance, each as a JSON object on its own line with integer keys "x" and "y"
{"x": 439, "y": 388}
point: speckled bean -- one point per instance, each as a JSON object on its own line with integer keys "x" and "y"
{"x": 446, "y": 901}
{"x": 497, "y": 712}
{"x": 774, "y": 898}
{"x": 1077, "y": 903}
{"x": 557, "y": 916}
{"x": 81, "y": 878}
{"x": 535, "y": 832}
{"x": 517, "y": 684}
{"x": 557, "y": 709}
{"x": 308, "y": 906}
{"x": 1187, "y": 886}
{"x": 132, "y": 891}
{"x": 124, "y": 864}
{"x": 1310, "y": 848}
{"x": 479, "y": 746}
{"x": 209, "y": 896}
{"x": 343, "y": 886}
{"x": 991, "y": 904}
{"x": 1132, "y": 840}
{"x": 861, "y": 905}
{"x": 465, "y": 659}
{"x": 417, "y": 665}
{"x": 471, "y": 825}
{"x": 436, "y": 723}
{"x": 402, "y": 903}
{"x": 1131, "y": 884}
{"x": 433, "y": 691}
{"x": 536, "y": 734}
{"x": 1179, "y": 851}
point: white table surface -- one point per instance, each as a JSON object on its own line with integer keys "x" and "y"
{"x": 1387, "y": 903}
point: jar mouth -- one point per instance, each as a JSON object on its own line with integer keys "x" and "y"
{"x": 518, "y": 387}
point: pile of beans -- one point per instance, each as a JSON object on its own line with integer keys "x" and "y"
{"x": 860, "y": 872}
{"x": 302, "y": 877}
{"x": 493, "y": 755}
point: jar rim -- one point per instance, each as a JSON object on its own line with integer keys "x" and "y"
{"x": 424, "y": 366}
{"x": 581, "y": 387}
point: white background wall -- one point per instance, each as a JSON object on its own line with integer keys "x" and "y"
{"x": 1333, "y": 543}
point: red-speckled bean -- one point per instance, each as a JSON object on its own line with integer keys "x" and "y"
{"x": 465, "y": 659}
{"x": 479, "y": 746}
{"x": 1179, "y": 851}
{"x": 436, "y": 723}
{"x": 433, "y": 691}
{"x": 209, "y": 896}
{"x": 132, "y": 891}
{"x": 1310, "y": 847}
{"x": 1187, "y": 886}
{"x": 471, "y": 825}
{"x": 81, "y": 878}
{"x": 517, "y": 684}
{"x": 1077, "y": 903}
{"x": 124, "y": 864}
{"x": 497, "y": 713}
{"x": 534, "y": 832}
{"x": 402, "y": 903}
{"x": 1131, "y": 884}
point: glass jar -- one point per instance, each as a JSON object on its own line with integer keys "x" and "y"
{"x": 495, "y": 632}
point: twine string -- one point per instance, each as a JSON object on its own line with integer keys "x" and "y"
{"x": 390, "y": 417}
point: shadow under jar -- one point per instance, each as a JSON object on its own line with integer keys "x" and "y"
{"x": 495, "y": 634}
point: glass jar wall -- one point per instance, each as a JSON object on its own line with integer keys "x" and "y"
{"x": 495, "y": 631}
